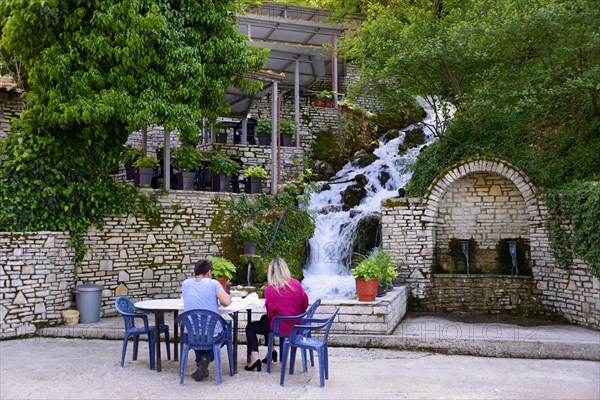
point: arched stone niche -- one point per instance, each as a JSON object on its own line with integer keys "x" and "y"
{"x": 478, "y": 217}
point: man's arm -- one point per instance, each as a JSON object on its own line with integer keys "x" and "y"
{"x": 224, "y": 298}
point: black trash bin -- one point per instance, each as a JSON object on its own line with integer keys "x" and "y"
{"x": 88, "y": 298}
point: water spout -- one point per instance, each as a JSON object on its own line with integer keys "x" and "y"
{"x": 464, "y": 246}
{"x": 248, "y": 273}
{"x": 512, "y": 249}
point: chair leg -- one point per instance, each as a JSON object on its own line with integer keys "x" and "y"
{"x": 136, "y": 340}
{"x": 292, "y": 359}
{"x": 284, "y": 357}
{"x": 269, "y": 351}
{"x": 321, "y": 367}
{"x": 217, "y": 357}
{"x": 230, "y": 356}
{"x": 326, "y": 361}
{"x": 304, "y": 362}
{"x": 125, "y": 340}
{"x": 312, "y": 358}
{"x": 167, "y": 343}
{"x": 183, "y": 362}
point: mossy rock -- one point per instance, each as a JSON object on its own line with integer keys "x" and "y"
{"x": 367, "y": 160}
{"x": 352, "y": 196}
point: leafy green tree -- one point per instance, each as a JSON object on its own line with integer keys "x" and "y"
{"x": 97, "y": 70}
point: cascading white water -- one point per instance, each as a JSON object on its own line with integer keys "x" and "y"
{"x": 327, "y": 274}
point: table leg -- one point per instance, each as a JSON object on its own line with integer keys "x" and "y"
{"x": 157, "y": 339}
{"x": 175, "y": 337}
{"x": 235, "y": 341}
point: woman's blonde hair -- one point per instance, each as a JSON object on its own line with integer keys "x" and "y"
{"x": 278, "y": 274}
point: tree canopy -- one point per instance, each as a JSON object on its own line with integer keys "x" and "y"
{"x": 95, "y": 71}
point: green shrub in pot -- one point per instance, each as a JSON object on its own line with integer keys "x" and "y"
{"x": 187, "y": 158}
{"x": 223, "y": 165}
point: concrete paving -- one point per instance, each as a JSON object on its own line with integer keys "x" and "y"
{"x": 452, "y": 334}
{"x": 61, "y": 368}
{"x": 481, "y": 359}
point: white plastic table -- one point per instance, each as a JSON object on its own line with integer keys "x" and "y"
{"x": 160, "y": 306}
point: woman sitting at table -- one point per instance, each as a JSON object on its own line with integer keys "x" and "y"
{"x": 284, "y": 296}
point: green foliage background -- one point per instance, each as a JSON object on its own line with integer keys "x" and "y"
{"x": 265, "y": 212}
{"x": 95, "y": 71}
{"x": 525, "y": 78}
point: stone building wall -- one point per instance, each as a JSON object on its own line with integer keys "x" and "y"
{"x": 128, "y": 256}
{"x": 409, "y": 232}
{"x": 36, "y": 279}
{"x": 11, "y": 106}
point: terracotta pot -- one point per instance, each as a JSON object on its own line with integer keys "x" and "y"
{"x": 366, "y": 290}
{"x": 223, "y": 282}
{"x": 319, "y": 102}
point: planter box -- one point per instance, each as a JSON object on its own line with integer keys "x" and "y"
{"x": 185, "y": 180}
{"x": 143, "y": 176}
{"x": 253, "y": 185}
{"x": 221, "y": 183}
{"x": 264, "y": 139}
{"x": 286, "y": 140}
{"x": 249, "y": 248}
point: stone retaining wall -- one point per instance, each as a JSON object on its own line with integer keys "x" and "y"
{"x": 411, "y": 229}
{"x": 11, "y": 106}
{"x": 129, "y": 256}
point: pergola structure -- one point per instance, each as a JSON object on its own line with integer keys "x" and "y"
{"x": 302, "y": 48}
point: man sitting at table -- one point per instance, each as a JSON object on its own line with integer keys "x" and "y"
{"x": 203, "y": 292}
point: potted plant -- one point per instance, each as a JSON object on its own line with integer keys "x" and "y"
{"x": 144, "y": 167}
{"x": 263, "y": 131}
{"x": 345, "y": 106}
{"x": 250, "y": 236}
{"x": 387, "y": 271}
{"x": 220, "y": 132}
{"x": 187, "y": 160}
{"x": 366, "y": 273}
{"x": 288, "y": 128}
{"x": 222, "y": 167}
{"x": 324, "y": 99}
{"x": 254, "y": 177}
{"x": 222, "y": 270}
{"x": 129, "y": 155}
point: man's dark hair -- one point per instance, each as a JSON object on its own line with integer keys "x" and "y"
{"x": 202, "y": 267}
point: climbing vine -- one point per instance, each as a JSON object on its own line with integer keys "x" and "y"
{"x": 574, "y": 227}
{"x": 278, "y": 219}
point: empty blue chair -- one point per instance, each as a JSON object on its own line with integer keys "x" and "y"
{"x": 125, "y": 307}
{"x": 282, "y": 336}
{"x": 204, "y": 330}
{"x": 300, "y": 339}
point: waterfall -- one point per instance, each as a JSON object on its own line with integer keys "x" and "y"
{"x": 327, "y": 274}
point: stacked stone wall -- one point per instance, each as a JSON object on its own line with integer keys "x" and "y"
{"x": 36, "y": 280}
{"x": 410, "y": 228}
{"x": 128, "y": 256}
{"x": 11, "y": 106}
{"x": 485, "y": 206}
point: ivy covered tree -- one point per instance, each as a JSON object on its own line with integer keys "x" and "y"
{"x": 525, "y": 77}
{"x": 97, "y": 70}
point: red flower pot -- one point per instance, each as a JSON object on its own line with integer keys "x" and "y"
{"x": 366, "y": 290}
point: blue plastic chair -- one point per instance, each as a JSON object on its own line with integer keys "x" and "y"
{"x": 125, "y": 307}
{"x": 282, "y": 336}
{"x": 300, "y": 339}
{"x": 204, "y": 330}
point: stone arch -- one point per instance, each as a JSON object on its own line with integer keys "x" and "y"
{"x": 471, "y": 200}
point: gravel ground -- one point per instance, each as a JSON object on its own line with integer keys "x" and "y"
{"x": 46, "y": 368}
